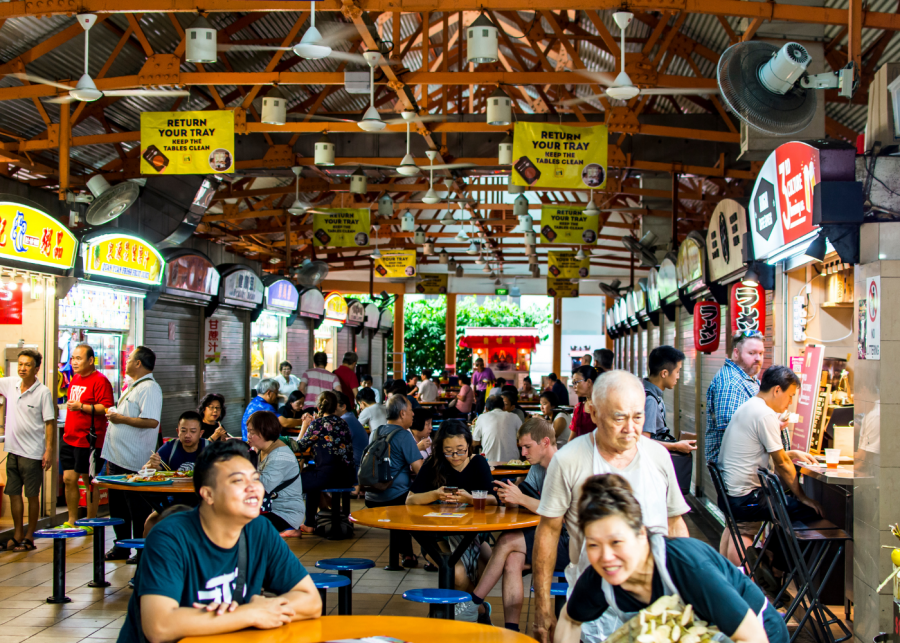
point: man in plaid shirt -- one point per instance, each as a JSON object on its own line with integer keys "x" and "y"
{"x": 734, "y": 384}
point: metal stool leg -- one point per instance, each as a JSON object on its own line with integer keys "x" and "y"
{"x": 440, "y": 611}
{"x": 335, "y": 532}
{"x": 59, "y": 572}
{"x": 559, "y": 603}
{"x": 345, "y": 594}
{"x": 394, "y": 553}
{"x": 99, "y": 562}
{"x": 322, "y": 596}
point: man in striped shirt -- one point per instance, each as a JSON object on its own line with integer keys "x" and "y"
{"x": 131, "y": 439}
{"x": 317, "y": 379}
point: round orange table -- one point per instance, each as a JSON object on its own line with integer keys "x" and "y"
{"x": 405, "y": 628}
{"x": 413, "y": 518}
{"x": 184, "y": 486}
{"x": 501, "y": 472}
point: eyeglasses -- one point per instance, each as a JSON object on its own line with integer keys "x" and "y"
{"x": 574, "y": 383}
{"x": 749, "y": 334}
{"x": 455, "y": 454}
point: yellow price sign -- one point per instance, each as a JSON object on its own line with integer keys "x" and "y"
{"x": 568, "y": 225}
{"x": 563, "y": 273}
{"x": 432, "y": 285}
{"x": 187, "y": 142}
{"x": 341, "y": 227}
{"x": 31, "y": 236}
{"x": 396, "y": 264}
{"x": 123, "y": 257}
{"x": 559, "y": 156}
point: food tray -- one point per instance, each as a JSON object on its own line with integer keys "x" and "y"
{"x": 122, "y": 479}
{"x": 630, "y": 631}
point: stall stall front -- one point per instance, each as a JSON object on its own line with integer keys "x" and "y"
{"x": 356, "y": 316}
{"x": 269, "y": 329}
{"x": 331, "y": 336}
{"x": 300, "y": 344}
{"x": 651, "y": 311}
{"x": 639, "y": 297}
{"x": 506, "y": 351}
{"x": 380, "y": 345}
{"x": 367, "y": 335}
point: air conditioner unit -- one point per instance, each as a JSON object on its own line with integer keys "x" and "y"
{"x": 356, "y": 82}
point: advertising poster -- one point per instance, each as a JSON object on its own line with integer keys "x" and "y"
{"x": 123, "y": 257}
{"x": 212, "y": 352}
{"x": 557, "y": 156}
{"x": 808, "y": 396}
{"x": 863, "y": 308}
{"x": 187, "y": 142}
{"x": 432, "y": 285}
{"x": 341, "y": 227}
{"x": 396, "y": 264}
{"x": 34, "y": 237}
{"x": 11, "y": 307}
{"x": 873, "y": 318}
{"x": 568, "y": 225}
{"x": 562, "y": 268}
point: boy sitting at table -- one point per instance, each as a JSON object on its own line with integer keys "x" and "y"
{"x": 203, "y": 571}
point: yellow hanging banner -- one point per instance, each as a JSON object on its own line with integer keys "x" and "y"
{"x": 432, "y": 285}
{"x": 341, "y": 227}
{"x": 562, "y": 268}
{"x": 558, "y": 156}
{"x": 568, "y": 225}
{"x": 187, "y": 142}
{"x": 396, "y": 264}
{"x": 124, "y": 257}
{"x": 32, "y": 236}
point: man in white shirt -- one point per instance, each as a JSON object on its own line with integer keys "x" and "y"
{"x": 30, "y": 413}
{"x": 287, "y": 383}
{"x": 428, "y": 390}
{"x": 615, "y": 446}
{"x": 131, "y": 439}
{"x": 496, "y": 430}
{"x": 371, "y": 414}
{"x": 365, "y": 381}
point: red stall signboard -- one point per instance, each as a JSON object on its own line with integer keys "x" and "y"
{"x": 707, "y": 326}
{"x": 808, "y": 395}
{"x": 748, "y": 305}
{"x": 10, "y": 306}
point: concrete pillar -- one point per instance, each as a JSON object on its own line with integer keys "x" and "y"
{"x": 557, "y": 335}
{"x": 399, "y": 330}
{"x": 450, "y": 342}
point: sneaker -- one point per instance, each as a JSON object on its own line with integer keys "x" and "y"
{"x": 467, "y": 612}
{"x": 486, "y": 617}
{"x": 68, "y": 525}
{"x": 117, "y": 553}
{"x": 131, "y": 582}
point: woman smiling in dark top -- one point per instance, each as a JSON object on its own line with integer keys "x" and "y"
{"x": 212, "y": 410}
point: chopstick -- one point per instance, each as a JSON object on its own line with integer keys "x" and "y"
{"x": 165, "y": 466}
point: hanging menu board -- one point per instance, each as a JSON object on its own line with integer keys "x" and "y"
{"x": 808, "y": 397}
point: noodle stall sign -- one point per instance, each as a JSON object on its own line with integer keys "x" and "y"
{"x": 506, "y": 351}
{"x": 707, "y": 326}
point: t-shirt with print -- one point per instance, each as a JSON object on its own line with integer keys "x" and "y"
{"x": 404, "y": 452}
{"x": 574, "y": 463}
{"x": 181, "y": 563}
{"x": 752, "y": 434}
{"x": 92, "y": 389}
{"x": 177, "y": 459}
{"x": 718, "y": 591}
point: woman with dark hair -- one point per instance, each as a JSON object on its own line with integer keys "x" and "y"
{"x": 583, "y": 379}
{"x": 293, "y": 408}
{"x": 464, "y": 402}
{"x": 212, "y": 410}
{"x": 332, "y": 443}
{"x": 557, "y": 418}
{"x": 631, "y": 568}
{"x": 279, "y": 474}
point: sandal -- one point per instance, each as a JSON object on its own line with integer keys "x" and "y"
{"x": 307, "y": 529}
{"x": 27, "y": 544}
{"x": 7, "y": 547}
{"x": 409, "y": 562}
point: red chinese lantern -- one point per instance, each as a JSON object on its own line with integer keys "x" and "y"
{"x": 707, "y": 326}
{"x": 748, "y": 308}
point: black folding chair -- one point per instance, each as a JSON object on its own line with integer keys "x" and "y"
{"x": 806, "y": 551}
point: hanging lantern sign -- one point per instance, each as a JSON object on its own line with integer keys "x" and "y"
{"x": 748, "y": 304}
{"x": 707, "y": 326}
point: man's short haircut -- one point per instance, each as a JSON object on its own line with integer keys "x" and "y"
{"x": 365, "y": 377}
{"x": 266, "y": 385}
{"x": 420, "y": 417}
{"x": 552, "y": 377}
{"x": 190, "y": 416}
{"x": 588, "y": 357}
{"x": 320, "y": 360}
{"x": 465, "y": 379}
{"x": 35, "y": 355}
{"x": 343, "y": 400}
{"x": 214, "y": 453}
{"x": 614, "y": 381}
{"x": 350, "y": 358}
{"x": 89, "y": 352}
{"x": 778, "y": 376}
{"x": 493, "y": 403}
{"x": 366, "y": 395}
{"x": 500, "y": 381}
{"x": 511, "y": 392}
{"x": 285, "y": 363}
{"x": 396, "y": 404}
{"x": 146, "y": 357}
{"x": 606, "y": 358}
{"x": 664, "y": 358}
{"x": 739, "y": 339}
{"x": 538, "y": 428}
{"x": 398, "y": 387}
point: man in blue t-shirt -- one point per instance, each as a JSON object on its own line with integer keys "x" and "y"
{"x": 203, "y": 571}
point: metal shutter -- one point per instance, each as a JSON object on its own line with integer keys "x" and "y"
{"x": 177, "y": 361}
{"x": 362, "y": 345}
{"x": 230, "y": 377}
{"x": 344, "y": 344}
{"x": 376, "y": 362}
{"x": 652, "y": 337}
{"x": 298, "y": 341}
{"x": 709, "y": 365}
{"x": 688, "y": 383}
{"x": 636, "y": 351}
{"x": 642, "y": 366}
{"x": 669, "y": 339}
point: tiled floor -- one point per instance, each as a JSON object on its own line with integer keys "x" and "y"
{"x": 97, "y": 614}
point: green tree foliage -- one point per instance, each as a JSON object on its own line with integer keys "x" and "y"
{"x": 425, "y": 326}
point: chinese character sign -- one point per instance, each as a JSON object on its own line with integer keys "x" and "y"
{"x": 31, "y": 236}
{"x": 122, "y": 257}
{"x": 748, "y": 306}
{"x": 707, "y": 326}
{"x": 212, "y": 342}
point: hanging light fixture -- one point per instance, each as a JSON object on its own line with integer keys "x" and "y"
{"x": 751, "y": 279}
{"x": 36, "y": 287}
{"x": 443, "y": 257}
{"x": 482, "y": 45}
{"x": 451, "y": 266}
{"x": 407, "y": 222}
{"x": 493, "y": 274}
{"x": 473, "y": 248}
{"x": 428, "y": 248}
{"x": 499, "y": 108}
{"x": 297, "y": 207}
{"x": 486, "y": 270}
{"x": 358, "y": 182}
{"x": 480, "y": 259}
{"x": 817, "y": 248}
{"x": 532, "y": 260}
{"x": 504, "y": 155}
{"x": 459, "y": 271}
{"x": 419, "y": 236}
{"x": 512, "y": 188}
{"x": 24, "y": 282}
{"x": 200, "y": 42}
{"x": 579, "y": 256}
{"x": 385, "y": 206}
{"x": 274, "y": 108}
{"x": 530, "y": 238}
{"x": 376, "y": 254}
{"x": 324, "y": 151}
{"x": 461, "y": 236}
{"x": 526, "y": 224}
{"x": 11, "y": 283}
{"x": 520, "y": 206}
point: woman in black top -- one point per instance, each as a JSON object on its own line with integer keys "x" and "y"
{"x": 212, "y": 410}
{"x": 293, "y": 409}
{"x": 630, "y": 569}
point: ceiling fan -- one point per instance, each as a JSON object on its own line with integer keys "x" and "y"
{"x": 86, "y": 90}
{"x": 622, "y": 88}
{"x": 371, "y": 118}
{"x": 645, "y": 248}
{"x": 298, "y": 207}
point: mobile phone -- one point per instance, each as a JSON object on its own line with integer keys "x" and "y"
{"x": 452, "y": 490}
{"x": 527, "y": 170}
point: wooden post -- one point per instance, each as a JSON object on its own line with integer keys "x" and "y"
{"x": 557, "y": 336}
{"x": 399, "y": 329}
{"x": 65, "y": 140}
{"x": 450, "y": 342}
{"x": 287, "y": 245}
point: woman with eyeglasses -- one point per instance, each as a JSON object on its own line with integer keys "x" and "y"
{"x": 212, "y": 410}
{"x": 450, "y": 475}
{"x": 583, "y": 382}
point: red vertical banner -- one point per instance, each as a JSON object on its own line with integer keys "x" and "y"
{"x": 10, "y": 306}
{"x": 748, "y": 308}
{"x": 707, "y": 326}
{"x": 810, "y": 376}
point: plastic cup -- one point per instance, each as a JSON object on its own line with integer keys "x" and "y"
{"x": 832, "y": 458}
{"x": 479, "y": 500}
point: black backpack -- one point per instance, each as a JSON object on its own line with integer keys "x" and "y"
{"x": 375, "y": 466}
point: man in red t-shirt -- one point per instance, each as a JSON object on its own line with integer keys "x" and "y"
{"x": 346, "y": 373}
{"x": 90, "y": 394}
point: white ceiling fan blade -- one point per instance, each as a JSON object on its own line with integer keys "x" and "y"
{"x": 342, "y": 35}
{"x": 227, "y": 47}
{"x": 679, "y": 91}
{"x": 599, "y": 77}
{"x": 388, "y": 167}
{"x": 60, "y": 100}
{"x": 424, "y": 118}
{"x": 319, "y": 117}
{"x": 147, "y": 92}
{"x": 452, "y": 166}
{"x": 344, "y": 55}
{"x": 31, "y": 78}
{"x": 578, "y": 101}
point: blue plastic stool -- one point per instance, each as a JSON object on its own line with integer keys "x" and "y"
{"x": 59, "y": 537}
{"x": 345, "y": 567}
{"x": 329, "y": 581}
{"x": 560, "y": 575}
{"x": 559, "y": 591}
{"x": 132, "y": 543}
{"x": 99, "y": 526}
{"x": 440, "y": 601}
{"x": 340, "y": 499}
